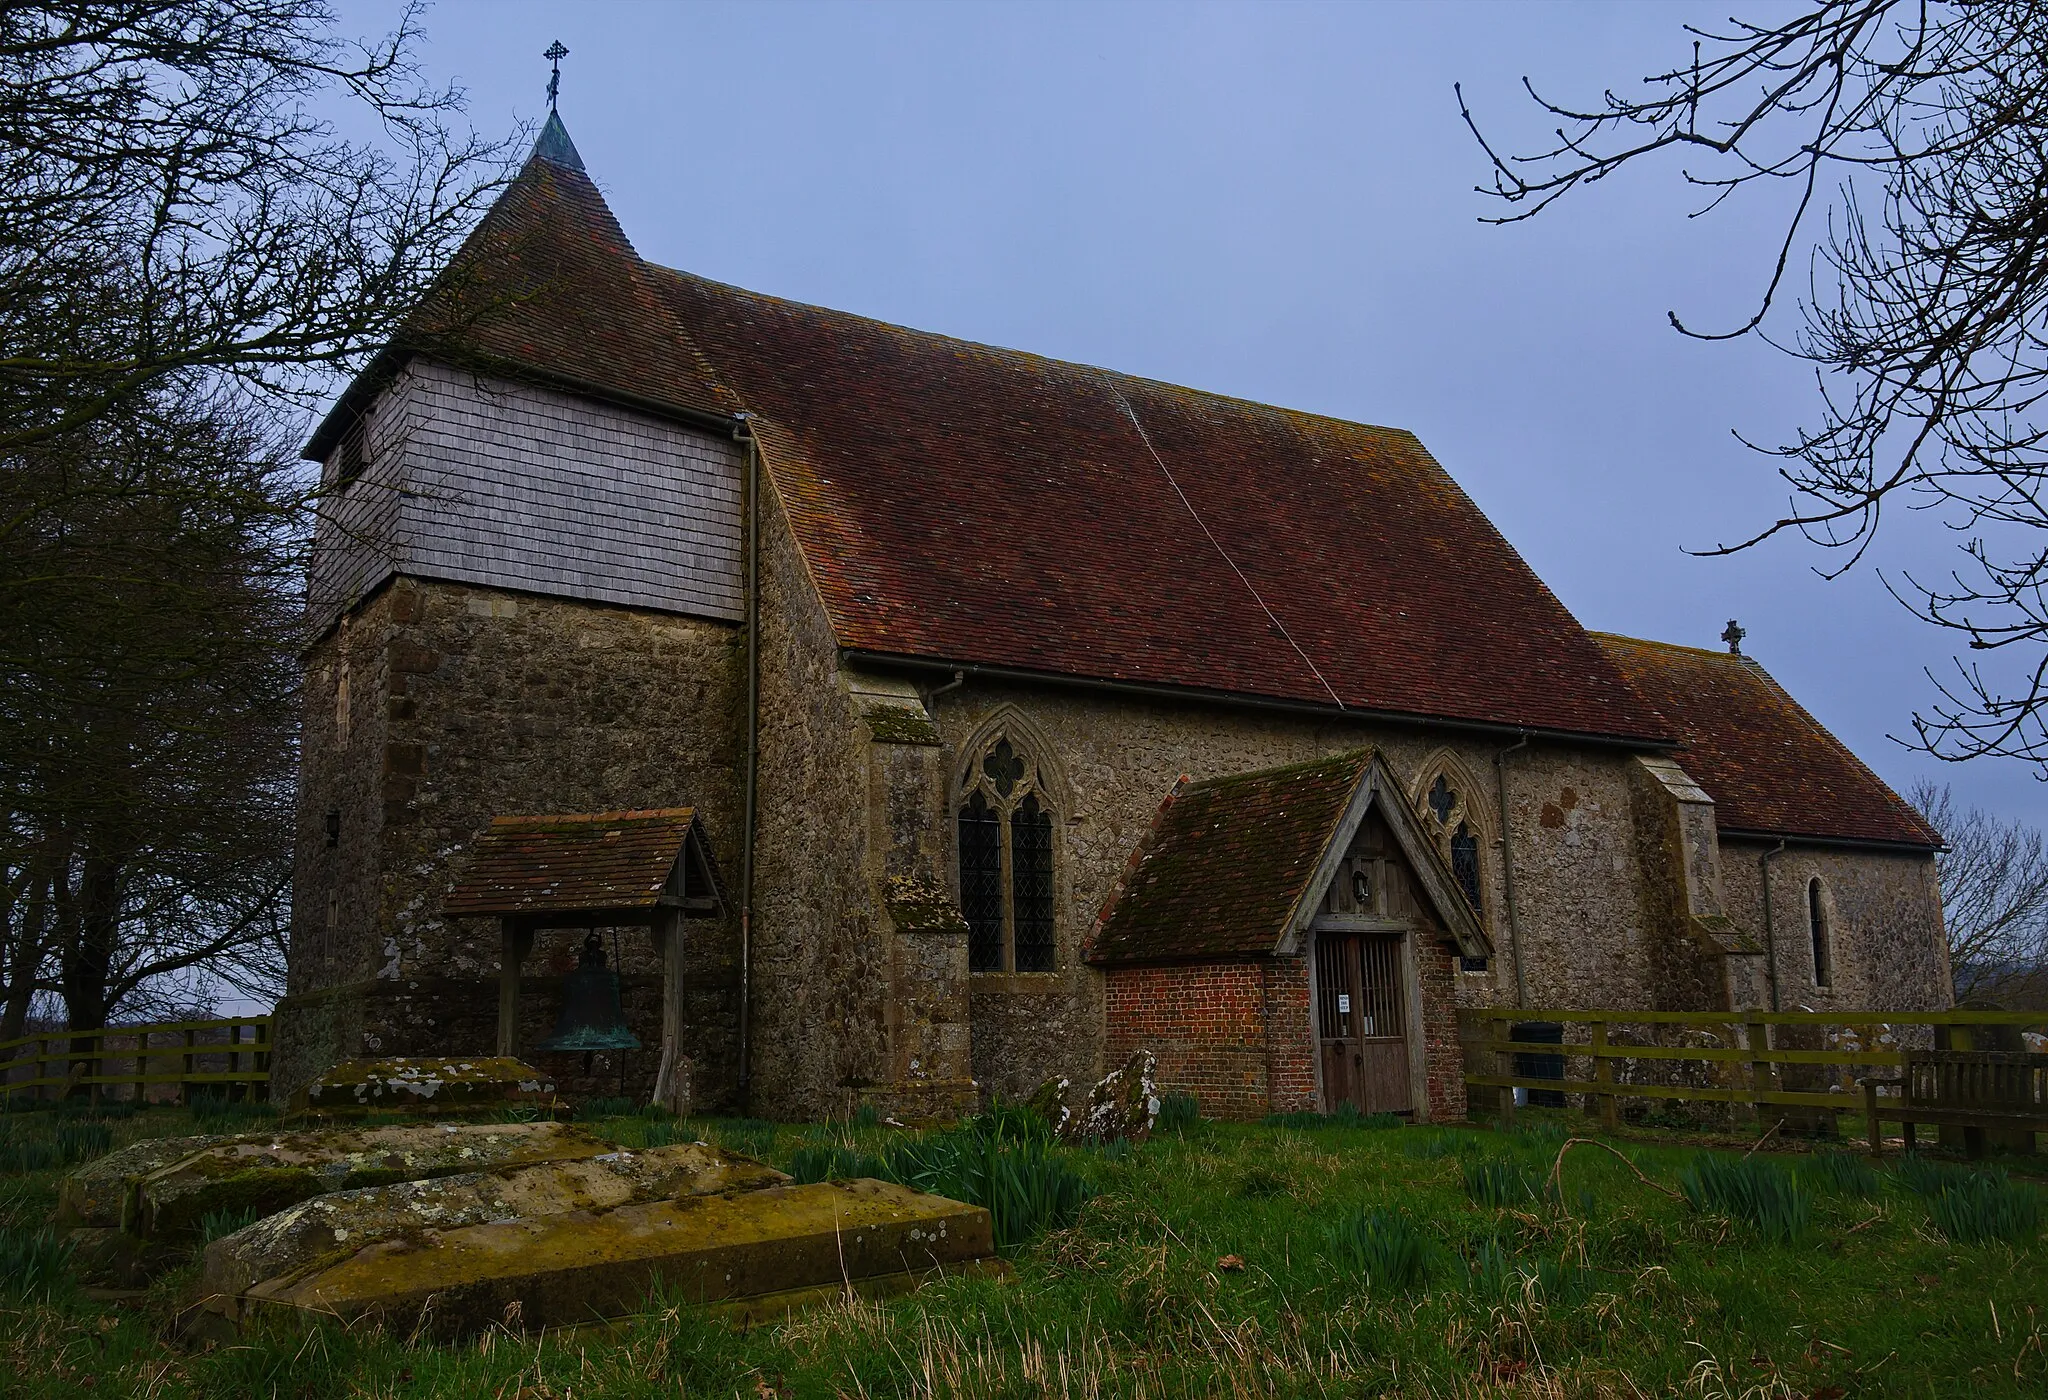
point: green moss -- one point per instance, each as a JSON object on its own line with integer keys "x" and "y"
{"x": 263, "y": 1190}
{"x": 891, "y": 724}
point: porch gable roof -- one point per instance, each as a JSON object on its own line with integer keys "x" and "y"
{"x": 1234, "y": 867}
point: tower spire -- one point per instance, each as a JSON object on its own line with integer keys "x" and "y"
{"x": 555, "y": 53}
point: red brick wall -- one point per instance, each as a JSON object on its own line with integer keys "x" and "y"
{"x": 1291, "y": 1043}
{"x": 1238, "y": 1036}
{"x": 1443, "y": 1058}
{"x": 1206, "y": 1023}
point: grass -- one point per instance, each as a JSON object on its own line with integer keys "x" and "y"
{"x": 1762, "y": 1192}
{"x": 1974, "y": 1207}
{"x": 1385, "y": 1248}
{"x": 1232, "y": 1260}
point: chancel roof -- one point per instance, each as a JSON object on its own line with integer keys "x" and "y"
{"x": 588, "y": 863}
{"x": 966, "y": 504}
{"x": 1771, "y": 768}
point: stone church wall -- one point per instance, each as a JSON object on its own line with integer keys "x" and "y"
{"x": 1883, "y": 912}
{"x": 1580, "y": 886}
{"x": 466, "y": 703}
{"x": 821, "y": 965}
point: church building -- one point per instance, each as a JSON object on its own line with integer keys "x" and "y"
{"x": 906, "y": 721}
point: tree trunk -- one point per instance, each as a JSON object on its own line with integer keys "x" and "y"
{"x": 25, "y": 958}
{"x": 89, "y": 958}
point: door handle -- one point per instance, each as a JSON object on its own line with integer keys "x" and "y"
{"x": 1358, "y": 1060}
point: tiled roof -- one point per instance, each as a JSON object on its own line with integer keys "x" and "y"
{"x": 1227, "y": 864}
{"x": 965, "y": 504}
{"x": 970, "y": 504}
{"x": 549, "y": 281}
{"x": 566, "y": 864}
{"x": 1769, "y": 765}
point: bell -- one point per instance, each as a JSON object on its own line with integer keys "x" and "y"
{"x": 591, "y": 1018}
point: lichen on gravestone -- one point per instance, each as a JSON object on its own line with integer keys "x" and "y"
{"x": 569, "y": 1268}
{"x": 97, "y": 1195}
{"x": 420, "y": 1084}
{"x": 268, "y": 1172}
{"x": 1123, "y": 1104}
{"x": 315, "y": 1232}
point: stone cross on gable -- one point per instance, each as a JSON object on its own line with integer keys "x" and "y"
{"x": 1733, "y": 636}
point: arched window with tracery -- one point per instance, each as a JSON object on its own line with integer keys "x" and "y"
{"x": 1445, "y": 802}
{"x": 1006, "y": 877}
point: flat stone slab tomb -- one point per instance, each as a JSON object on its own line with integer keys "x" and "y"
{"x": 313, "y": 1234}
{"x": 779, "y": 1245}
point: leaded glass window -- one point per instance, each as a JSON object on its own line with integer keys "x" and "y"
{"x": 1031, "y": 884}
{"x": 981, "y": 883}
{"x": 1465, "y": 863}
{"x": 1006, "y": 865}
{"x": 1456, "y": 839}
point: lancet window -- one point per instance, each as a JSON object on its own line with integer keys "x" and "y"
{"x": 1006, "y": 860}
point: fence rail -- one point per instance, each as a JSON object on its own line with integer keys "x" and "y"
{"x": 231, "y": 1055}
{"x": 1749, "y": 1073}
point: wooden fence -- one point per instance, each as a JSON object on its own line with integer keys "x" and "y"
{"x": 1748, "y": 1066}
{"x": 160, "y": 1062}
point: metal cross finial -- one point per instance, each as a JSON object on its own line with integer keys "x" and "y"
{"x": 1733, "y": 636}
{"x": 556, "y": 52}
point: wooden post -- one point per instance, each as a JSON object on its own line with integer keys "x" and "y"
{"x": 672, "y": 1088}
{"x": 1505, "y": 1059}
{"x": 187, "y": 1059}
{"x": 1603, "y": 1073}
{"x": 1870, "y": 1115}
{"x": 514, "y": 943}
{"x": 1759, "y": 1036}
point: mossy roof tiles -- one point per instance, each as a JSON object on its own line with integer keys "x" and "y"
{"x": 1227, "y": 864}
{"x": 567, "y": 864}
{"x": 1770, "y": 767}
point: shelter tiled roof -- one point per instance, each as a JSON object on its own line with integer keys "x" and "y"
{"x": 569, "y": 864}
{"x": 1770, "y": 766}
{"x": 1227, "y": 864}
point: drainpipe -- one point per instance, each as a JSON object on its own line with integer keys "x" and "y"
{"x": 1763, "y": 866}
{"x": 743, "y": 430}
{"x": 959, "y": 679}
{"x": 1507, "y": 867}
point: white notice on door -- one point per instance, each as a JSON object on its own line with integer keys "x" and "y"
{"x": 1343, "y": 1003}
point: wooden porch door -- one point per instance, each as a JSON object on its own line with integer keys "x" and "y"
{"x": 1362, "y": 1022}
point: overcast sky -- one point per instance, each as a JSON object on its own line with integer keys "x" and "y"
{"x": 1272, "y": 201}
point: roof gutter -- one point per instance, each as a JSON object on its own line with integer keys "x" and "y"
{"x": 1197, "y": 695}
{"x": 1847, "y": 843}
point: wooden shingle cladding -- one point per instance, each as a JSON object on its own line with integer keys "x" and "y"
{"x": 1771, "y": 768}
{"x": 623, "y": 864}
{"x": 472, "y": 479}
{"x": 1233, "y": 867}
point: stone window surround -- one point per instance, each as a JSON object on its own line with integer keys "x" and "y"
{"x": 1820, "y": 932}
{"x": 1468, "y": 810}
{"x": 1044, "y": 781}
